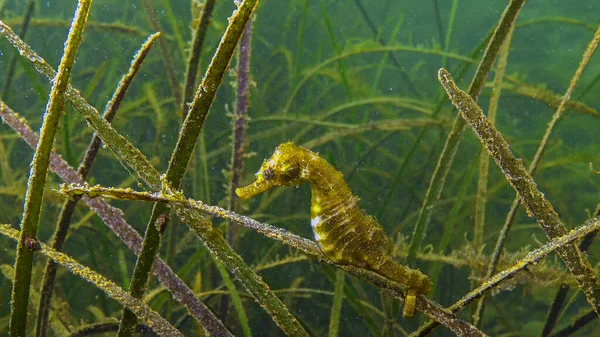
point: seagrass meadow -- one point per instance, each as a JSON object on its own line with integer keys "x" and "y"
{"x": 466, "y": 131}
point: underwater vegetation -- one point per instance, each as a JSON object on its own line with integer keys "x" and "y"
{"x": 132, "y": 130}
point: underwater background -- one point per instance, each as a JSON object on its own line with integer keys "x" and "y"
{"x": 355, "y": 81}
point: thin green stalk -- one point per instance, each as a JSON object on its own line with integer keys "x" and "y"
{"x": 128, "y": 153}
{"x": 174, "y": 25}
{"x": 377, "y": 34}
{"x": 438, "y": 23}
{"x": 531, "y": 258}
{"x": 518, "y": 177}
{"x": 215, "y": 242}
{"x": 300, "y": 39}
{"x": 436, "y": 184}
{"x": 166, "y": 55}
{"x": 158, "y": 324}
{"x": 193, "y": 60}
{"x": 384, "y": 59}
{"x": 113, "y": 218}
{"x": 352, "y": 298}
{"x": 449, "y": 31}
{"x": 387, "y": 302}
{"x": 180, "y": 158}
{"x": 451, "y": 221}
{"x": 13, "y": 60}
{"x": 336, "y": 49}
{"x": 536, "y": 160}
{"x": 235, "y": 298}
{"x": 484, "y": 159}
{"x": 66, "y": 213}
{"x": 336, "y": 308}
{"x": 37, "y": 176}
{"x": 484, "y": 164}
{"x": 192, "y": 65}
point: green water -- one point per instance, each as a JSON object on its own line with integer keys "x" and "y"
{"x": 355, "y": 81}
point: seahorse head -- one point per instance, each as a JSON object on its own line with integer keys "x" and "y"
{"x": 285, "y": 167}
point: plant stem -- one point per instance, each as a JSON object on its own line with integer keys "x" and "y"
{"x": 38, "y": 173}
{"x": 66, "y": 213}
{"x": 537, "y": 205}
{"x": 150, "y": 317}
{"x": 436, "y": 184}
{"x": 184, "y": 149}
{"x": 113, "y": 218}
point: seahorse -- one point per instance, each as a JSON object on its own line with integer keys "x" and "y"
{"x": 343, "y": 232}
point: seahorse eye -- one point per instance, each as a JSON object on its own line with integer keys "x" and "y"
{"x": 268, "y": 174}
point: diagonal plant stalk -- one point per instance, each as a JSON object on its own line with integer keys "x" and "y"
{"x": 484, "y": 165}
{"x": 128, "y": 153}
{"x": 436, "y": 184}
{"x": 536, "y": 204}
{"x": 66, "y": 213}
{"x": 138, "y": 162}
{"x": 535, "y": 162}
{"x": 180, "y": 158}
{"x": 113, "y": 218}
{"x": 309, "y": 247}
{"x": 182, "y": 205}
{"x": 532, "y": 257}
{"x": 192, "y": 65}
{"x": 38, "y": 173}
{"x": 150, "y": 317}
{"x": 561, "y": 293}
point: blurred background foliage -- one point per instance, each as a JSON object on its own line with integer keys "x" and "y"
{"x": 320, "y": 77}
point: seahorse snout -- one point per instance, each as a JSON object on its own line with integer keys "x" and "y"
{"x": 260, "y": 185}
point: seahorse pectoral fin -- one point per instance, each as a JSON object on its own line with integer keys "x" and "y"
{"x": 259, "y": 186}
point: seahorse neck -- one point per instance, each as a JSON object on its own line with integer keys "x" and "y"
{"x": 328, "y": 189}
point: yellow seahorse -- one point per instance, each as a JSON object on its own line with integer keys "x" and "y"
{"x": 345, "y": 234}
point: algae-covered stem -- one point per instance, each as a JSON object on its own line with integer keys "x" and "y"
{"x": 531, "y": 258}
{"x": 436, "y": 184}
{"x": 113, "y": 218}
{"x": 66, "y": 213}
{"x": 537, "y": 158}
{"x": 240, "y": 124}
{"x": 483, "y": 170}
{"x": 433, "y": 310}
{"x": 138, "y": 162}
{"x": 38, "y": 173}
{"x": 150, "y": 317}
{"x": 186, "y": 142}
{"x": 193, "y": 60}
{"x": 518, "y": 177}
